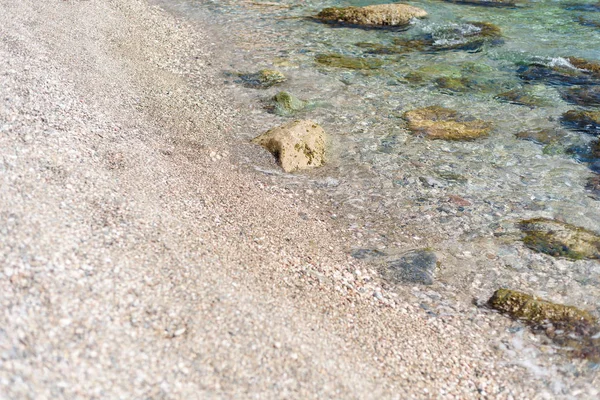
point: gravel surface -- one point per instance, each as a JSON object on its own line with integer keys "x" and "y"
{"x": 139, "y": 259}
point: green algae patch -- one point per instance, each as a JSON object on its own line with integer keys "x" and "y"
{"x": 560, "y": 239}
{"x": 535, "y": 311}
{"x": 286, "y": 104}
{"x": 340, "y": 61}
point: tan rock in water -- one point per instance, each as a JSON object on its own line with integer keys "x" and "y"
{"x": 443, "y": 123}
{"x": 375, "y": 15}
{"x": 298, "y": 144}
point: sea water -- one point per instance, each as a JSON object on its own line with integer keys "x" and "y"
{"x": 397, "y": 191}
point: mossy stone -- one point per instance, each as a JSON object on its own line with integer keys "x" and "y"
{"x": 443, "y": 123}
{"x": 263, "y": 79}
{"x": 536, "y": 311}
{"x": 340, "y": 61}
{"x": 585, "y": 121}
{"x": 285, "y": 103}
{"x": 560, "y": 239}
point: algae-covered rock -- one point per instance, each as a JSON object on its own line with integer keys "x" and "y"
{"x": 443, "y": 123}
{"x": 380, "y": 15}
{"x": 582, "y": 95}
{"x": 585, "y": 121}
{"x": 262, "y": 79}
{"x": 522, "y": 97}
{"x": 285, "y": 103}
{"x": 560, "y": 239}
{"x": 541, "y": 136}
{"x": 536, "y": 311}
{"x": 298, "y": 144}
{"x": 340, "y": 61}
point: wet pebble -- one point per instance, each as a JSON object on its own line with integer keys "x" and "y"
{"x": 417, "y": 266}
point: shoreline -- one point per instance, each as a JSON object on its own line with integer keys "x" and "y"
{"x": 143, "y": 261}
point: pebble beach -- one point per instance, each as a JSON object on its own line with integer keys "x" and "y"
{"x": 148, "y": 249}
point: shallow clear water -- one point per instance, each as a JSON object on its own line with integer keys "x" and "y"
{"x": 397, "y": 191}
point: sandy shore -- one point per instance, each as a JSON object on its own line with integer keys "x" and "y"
{"x": 139, "y": 260}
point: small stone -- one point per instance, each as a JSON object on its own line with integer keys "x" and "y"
{"x": 285, "y": 103}
{"x": 417, "y": 266}
{"x": 298, "y": 144}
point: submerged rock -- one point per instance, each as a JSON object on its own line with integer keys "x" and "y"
{"x": 416, "y": 266}
{"x": 380, "y": 15}
{"x": 340, "y": 61}
{"x": 284, "y": 103}
{"x": 486, "y": 3}
{"x": 560, "y": 239}
{"x": 536, "y": 311}
{"x": 591, "y": 23}
{"x": 262, "y": 79}
{"x": 443, "y": 123}
{"x": 562, "y": 71}
{"x": 468, "y": 36}
{"x": 298, "y": 145}
{"x": 585, "y": 121}
{"x": 465, "y": 84}
{"x": 582, "y": 95}
{"x": 583, "y": 7}
{"x": 541, "y": 136}
{"x": 362, "y": 254}
{"x": 380, "y": 49}
{"x": 593, "y": 185}
{"x": 523, "y": 98}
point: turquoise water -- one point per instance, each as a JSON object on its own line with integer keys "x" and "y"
{"x": 396, "y": 191}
